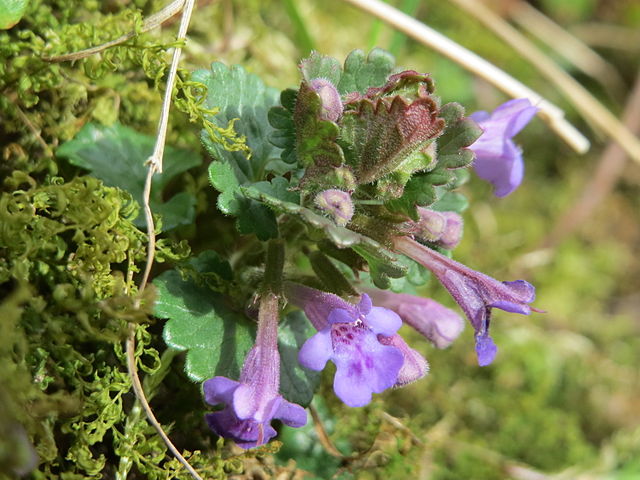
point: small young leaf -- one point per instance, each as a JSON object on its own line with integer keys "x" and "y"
{"x": 382, "y": 134}
{"x": 215, "y": 337}
{"x": 321, "y": 66}
{"x": 117, "y": 154}
{"x": 362, "y": 72}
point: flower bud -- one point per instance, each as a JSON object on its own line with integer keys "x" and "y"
{"x": 331, "y": 101}
{"x": 336, "y": 203}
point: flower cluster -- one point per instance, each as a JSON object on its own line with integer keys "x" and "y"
{"x": 369, "y": 173}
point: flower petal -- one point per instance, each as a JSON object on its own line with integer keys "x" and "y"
{"x": 383, "y": 321}
{"x": 340, "y": 315}
{"x": 414, "y": 365}
{"x": 219, "y": 390}
{"x": 316, "y": 350}
{"x": 485, "y": 349}
{"x": 364, "y": 366}
{"x": 291, "y": 414}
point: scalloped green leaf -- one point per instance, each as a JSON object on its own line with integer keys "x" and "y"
{"x": 321, "y": 66}
{"x": 117, "y": 154}
{"x": 215, "y": 337}
{"x": 239, "y": 94}
{"x": 364, "y": 71}
{"x": 460, "y": 132}
{"x": 252, "y": 216}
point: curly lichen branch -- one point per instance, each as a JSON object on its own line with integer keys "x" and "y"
{"x": 550, "y": 113}
{"x": 148, "y": 24}
{"x": 586, "y": 104}
{"x": 154, "y": 164}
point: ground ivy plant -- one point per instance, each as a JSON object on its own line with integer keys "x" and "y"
{"x": 345, "y": 202}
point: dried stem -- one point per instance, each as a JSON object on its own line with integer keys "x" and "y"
{"x": 325, "y": 441}
{"x": 154, "y": 164}
{"x": 149, "y": 23}
{"x": 585, "y": 103}
{"x": 549, "y": 112}
{"x": 601, "y": 182}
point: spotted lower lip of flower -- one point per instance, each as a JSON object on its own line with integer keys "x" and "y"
{"x": 253, "y": 401}
{"x": 475, "y": 292}
{"x": 348, "y": 335}
{"x": 498, "y": 159}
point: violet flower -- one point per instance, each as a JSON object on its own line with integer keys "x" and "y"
{"x": 498, "y": 159}
{"x": 439, "y": 324}
{"x": 475, "y": 292}
{"x": 348, "y": 335}
{"x": 253, "y": 401}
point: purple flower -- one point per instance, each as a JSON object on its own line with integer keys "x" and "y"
{"x": 253, "y": 401}
{"x": 348, "y": 335}
{"x": 498, "y": 159}
{"x": 439, "y": 324}
{"x": 331, "y": 101}
{"x": 475, "y": 292}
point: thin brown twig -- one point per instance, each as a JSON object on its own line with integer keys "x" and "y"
{"x": 32, "y": 128}
{"x": 323, "y": 436}
{"x": 585, "y": 103}
{"x": 602, "y": 181}
{"x": 570, "y": 47}
{"x": 148, "y": 24}
{"x": 154, "y": 164}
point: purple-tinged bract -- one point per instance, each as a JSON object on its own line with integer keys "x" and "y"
{"x": 498, "y": 158}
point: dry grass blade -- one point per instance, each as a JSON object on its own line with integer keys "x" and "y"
{"x": 604, "y": 179}
{"x": 550, "y": 113}
{"x": 565, "y": 44}
{"x": 590, "y": 108}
